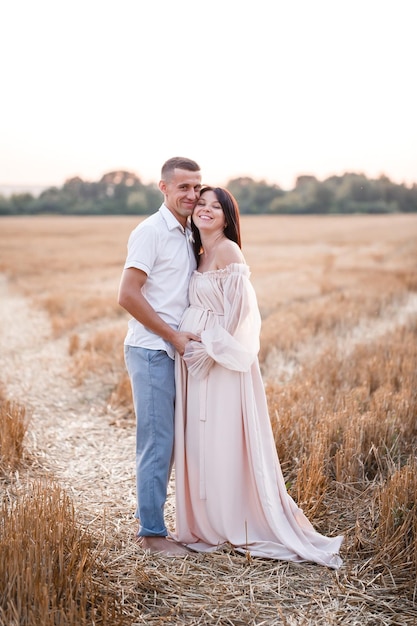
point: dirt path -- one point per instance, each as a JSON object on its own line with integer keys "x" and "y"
{"x": 69, "y": 433}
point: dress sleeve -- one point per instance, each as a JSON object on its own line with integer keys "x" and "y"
{"x": 236, "y": 344}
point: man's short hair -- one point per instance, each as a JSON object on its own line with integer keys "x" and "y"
{"x": 180, "y": 163}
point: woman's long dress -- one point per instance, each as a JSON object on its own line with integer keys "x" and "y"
{"x": 229, "y": 484}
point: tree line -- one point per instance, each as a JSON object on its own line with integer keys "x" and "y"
{"x": 123, "y": 193}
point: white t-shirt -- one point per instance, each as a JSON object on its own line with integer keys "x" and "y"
{"x": 162, "y": 248}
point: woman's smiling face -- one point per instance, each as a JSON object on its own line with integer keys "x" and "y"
{"x": 208, "y": 214}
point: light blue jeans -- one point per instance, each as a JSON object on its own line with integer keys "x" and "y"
{"x": 152, "y": 379}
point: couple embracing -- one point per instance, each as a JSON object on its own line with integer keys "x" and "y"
{"x": 191, "y": 354}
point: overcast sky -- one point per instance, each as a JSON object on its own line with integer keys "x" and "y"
{"x": 267, "y": 89}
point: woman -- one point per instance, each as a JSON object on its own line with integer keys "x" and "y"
{"x": 229, "y": 484}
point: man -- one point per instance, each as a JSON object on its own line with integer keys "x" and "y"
{"x": 154, "y": 291}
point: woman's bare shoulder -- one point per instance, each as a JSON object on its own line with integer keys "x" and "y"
{"x": 228, "y": 252}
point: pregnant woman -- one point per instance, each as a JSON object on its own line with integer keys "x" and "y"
{"x": 229, "y": 484}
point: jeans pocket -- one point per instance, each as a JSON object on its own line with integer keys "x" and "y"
{"x": 156, "y": 356}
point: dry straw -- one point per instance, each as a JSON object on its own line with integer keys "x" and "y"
{"x": 51, "y": 571}
{"x": 13, "y": 426}
{"x": 339, "y": 354}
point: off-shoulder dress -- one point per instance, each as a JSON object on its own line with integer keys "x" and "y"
{"x": 228, "y": 480}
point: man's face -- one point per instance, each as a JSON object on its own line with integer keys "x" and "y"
{"x": 181, "y": 193}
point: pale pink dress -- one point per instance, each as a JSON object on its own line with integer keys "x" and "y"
{"x": 229, "y": 484}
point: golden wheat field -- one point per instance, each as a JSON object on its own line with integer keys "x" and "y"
{"x": 338, "y": 298}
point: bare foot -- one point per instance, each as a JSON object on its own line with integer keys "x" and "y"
{"x": 162, "y": 545}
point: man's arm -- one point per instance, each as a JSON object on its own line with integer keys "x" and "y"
{"x": 133, "y": 301}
